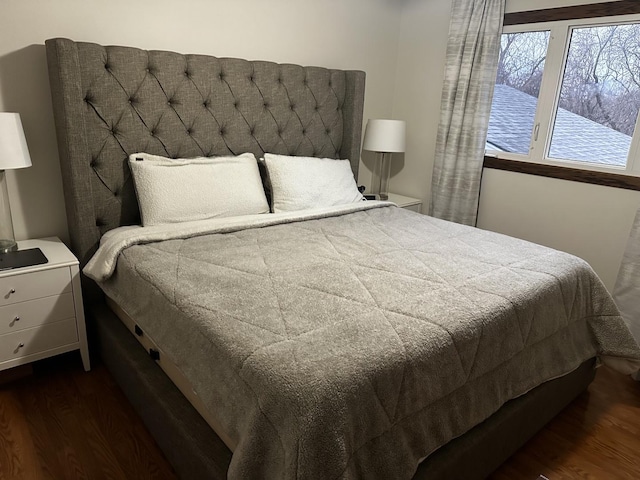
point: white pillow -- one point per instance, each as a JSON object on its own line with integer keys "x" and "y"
{"x": 299, "y": 183}
{"x": 182, "y": 190}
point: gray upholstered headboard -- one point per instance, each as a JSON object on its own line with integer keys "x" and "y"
{"x": 112, "y": 101}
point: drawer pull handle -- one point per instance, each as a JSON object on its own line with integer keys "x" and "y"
{"x": 16, "y": 319}
{"x": 20, "y": 345}
{"x": 13, "y": 290}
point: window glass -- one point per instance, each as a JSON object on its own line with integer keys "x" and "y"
{"x": 599, "y": 96}
{"x": 515, "y": 98}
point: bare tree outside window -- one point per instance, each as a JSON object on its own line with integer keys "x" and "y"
{"x": 602, "y": 76}
{"x": 601, "y": 83}
{"x": 521, "y": 61}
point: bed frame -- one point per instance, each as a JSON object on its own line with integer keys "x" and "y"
{"x": 113, "y": 101}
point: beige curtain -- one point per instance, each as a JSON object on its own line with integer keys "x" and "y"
{"x": 627, "y": 289}
{"x": 472, "y": 63}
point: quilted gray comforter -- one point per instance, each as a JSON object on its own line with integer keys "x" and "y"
{"x": 352, "y": 346}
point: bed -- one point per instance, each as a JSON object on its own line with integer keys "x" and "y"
{"x": 327, "y": 375}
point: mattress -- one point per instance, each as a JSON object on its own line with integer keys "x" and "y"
{"x": 354, "y": 343}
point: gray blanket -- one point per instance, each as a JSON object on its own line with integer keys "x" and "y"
{"x": 353, "y": 346}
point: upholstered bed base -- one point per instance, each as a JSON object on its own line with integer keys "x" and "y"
{"x": 195, "y": 451}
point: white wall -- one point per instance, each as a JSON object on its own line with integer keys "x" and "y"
{"x": 590, "y": 221}
{"x": 587, "y": 220}
{"x": 424, "y": 27}
{"x": 354, "y": 34}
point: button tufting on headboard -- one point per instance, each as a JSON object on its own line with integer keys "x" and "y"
{"x": 110, "y": 102}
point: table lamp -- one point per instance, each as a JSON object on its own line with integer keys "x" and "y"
{"x": 13, "y": 154}
{"x": 383, "y": 137}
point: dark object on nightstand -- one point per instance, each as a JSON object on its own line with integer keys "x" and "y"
{"x": 370, "y": 197}
{"x": 22, "y": 258}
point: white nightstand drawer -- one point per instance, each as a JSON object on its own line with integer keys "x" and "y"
{"x": 38, "y": 339}
{"x": 47, "y": 298}
{"x": 413, "y": 208}
{"x": 19, "y": 316}
{"x": 28, "y": 286}
{"x": 408, "y": 203}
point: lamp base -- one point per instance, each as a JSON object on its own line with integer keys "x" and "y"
{"x": 7, "y": 246}
{"x": 7, "y": 242}
{"x": 380, "y": 177}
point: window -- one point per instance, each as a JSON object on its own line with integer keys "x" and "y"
{"x": 515, "y": 97}
{"x": 568, "y": 93}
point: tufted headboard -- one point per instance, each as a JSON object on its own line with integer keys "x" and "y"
{"x": 112, "y": 101}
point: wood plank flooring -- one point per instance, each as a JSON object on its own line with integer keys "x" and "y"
{"x": 63, "y": 423}
{"x": 596, "y": 438}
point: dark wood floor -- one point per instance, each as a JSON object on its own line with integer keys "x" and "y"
{"x": 63, "y": 423}
{"x": 596, "y": 438}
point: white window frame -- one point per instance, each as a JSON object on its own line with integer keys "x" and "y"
{"x": 557, "y": 53}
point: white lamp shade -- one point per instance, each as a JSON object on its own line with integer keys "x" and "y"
{"x": 13, "y": 145}
{"x": 386, "y": 136}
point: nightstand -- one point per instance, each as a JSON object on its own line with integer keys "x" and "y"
{"x": 408, "y": 203}
{"x": 41, "y": 311}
